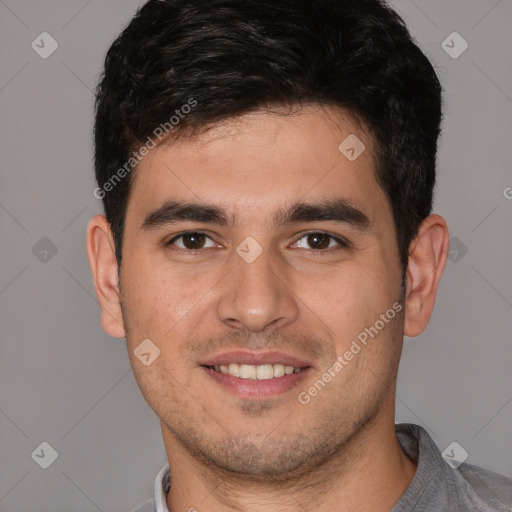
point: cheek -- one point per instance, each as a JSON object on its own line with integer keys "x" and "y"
{"x": 352, "y": 299}
{"x": 161, "y": 389}
{"x": 157, "y": 298}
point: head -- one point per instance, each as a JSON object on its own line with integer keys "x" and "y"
{"x": 229, "y": 120}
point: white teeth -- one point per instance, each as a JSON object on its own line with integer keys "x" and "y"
{"x": 247, "y": 371}
{"x": 279, "y": 370}
{"x": 234, "y": 369}
{"x": 259, "y": 372}
{"x": 265, "y": 371}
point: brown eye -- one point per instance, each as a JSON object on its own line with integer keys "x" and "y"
{"x": 190, "y": 241}
{"x": 193, "y": 240}
{"x": 320, "y": 241}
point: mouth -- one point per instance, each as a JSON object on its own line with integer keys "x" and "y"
{"x": 255, "y": 372}
{"x": 256, "y": 375}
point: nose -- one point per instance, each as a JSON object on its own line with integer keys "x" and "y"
{"x": 257, "y": 296}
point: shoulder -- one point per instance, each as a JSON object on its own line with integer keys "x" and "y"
{"x": 441, "y": 486}
{"x": 492, "y": 488}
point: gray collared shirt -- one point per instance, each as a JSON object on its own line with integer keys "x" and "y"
{"x": 436, "y": 486}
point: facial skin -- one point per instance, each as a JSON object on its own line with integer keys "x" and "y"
{"x": 251, "y": 453}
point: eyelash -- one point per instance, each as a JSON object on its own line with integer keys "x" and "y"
{"x": 343, "y": 243}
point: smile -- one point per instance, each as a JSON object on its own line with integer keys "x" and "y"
{"x": 256, "y": 372}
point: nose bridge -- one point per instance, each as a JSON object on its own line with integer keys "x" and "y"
{"x": 258, "y": 270}
{"x": 256, "y": 295}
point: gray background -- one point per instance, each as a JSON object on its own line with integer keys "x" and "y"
{"x": 66, "y": 382}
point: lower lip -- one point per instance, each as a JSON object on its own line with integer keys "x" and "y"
{"x": 253, "y": 388}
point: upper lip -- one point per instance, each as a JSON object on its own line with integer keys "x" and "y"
{"x": 255, "y": 358}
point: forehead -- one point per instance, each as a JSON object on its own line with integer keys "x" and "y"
{"x": 258, "y": 163}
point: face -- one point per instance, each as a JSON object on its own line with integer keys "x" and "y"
{"x": 251, "y": 248}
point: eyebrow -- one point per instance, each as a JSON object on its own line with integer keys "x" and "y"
{"x": 338, "y": 210}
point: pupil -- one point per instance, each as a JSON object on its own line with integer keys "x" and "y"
{"x": 193, "y": 241}
{"x": 318, "y": 241}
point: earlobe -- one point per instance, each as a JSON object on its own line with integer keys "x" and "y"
{"x": 101, "y": 254}
{"x": 428, "y": 254}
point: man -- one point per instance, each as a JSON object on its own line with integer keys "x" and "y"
{"x": 267, "y": 170}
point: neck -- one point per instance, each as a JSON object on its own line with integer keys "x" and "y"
{"x": 370, "y": 472}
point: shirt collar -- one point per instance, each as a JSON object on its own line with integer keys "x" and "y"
{"x": 162, "y": 486}
{"x": 414, "y": 440}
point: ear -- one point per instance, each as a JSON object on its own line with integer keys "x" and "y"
{"x": 428, "y": 253}
{"x": 102, "y": 258}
